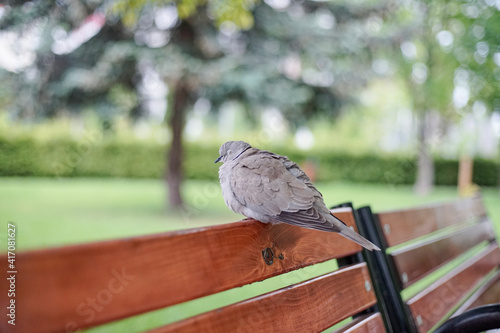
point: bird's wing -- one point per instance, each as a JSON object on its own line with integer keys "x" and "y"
{"x": 263, "y": 184}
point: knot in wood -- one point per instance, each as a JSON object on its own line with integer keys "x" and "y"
{"x": 268, "y": 255}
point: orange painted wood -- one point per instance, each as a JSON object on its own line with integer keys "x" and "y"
{"x": 489, "y": 293}
{"x": 432, "y": 304}
{"x": 85, "y": 285}
{"x": 371, "y": 323}
{"x": 418, "y": 260}
{"x": 310, "y": 306}
{"x": 404, "y": 225}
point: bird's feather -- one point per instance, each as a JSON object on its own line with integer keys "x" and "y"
{"x": 270, "y": 184}
{"x": 271, "y": 188}
{"x": 266, "y": 186}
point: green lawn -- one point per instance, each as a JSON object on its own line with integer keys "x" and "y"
{"x": 54, "y": 212}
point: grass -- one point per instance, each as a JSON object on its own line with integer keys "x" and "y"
{"x": 50, "y": 212}
{"x": 56, "y": 212}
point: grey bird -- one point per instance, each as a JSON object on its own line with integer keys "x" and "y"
{"x": 272, "y": 189}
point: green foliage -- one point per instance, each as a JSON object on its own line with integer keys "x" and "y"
{"x": 87, "y": 158}
{"x": 31, "y": 11}
{"x": 95, "y": 157}
{"x": 476, "y": 46}
{"x": 485, "y": 171}
{"x": 236, "y": 11}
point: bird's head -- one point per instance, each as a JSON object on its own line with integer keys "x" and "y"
{"x": 231, "y": 150}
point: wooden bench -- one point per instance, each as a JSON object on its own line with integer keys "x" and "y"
{"x": 451, "y": 245}
{"x": 76, "y": 287}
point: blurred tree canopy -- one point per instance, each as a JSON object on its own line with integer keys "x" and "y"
{"x": 302, "y": 57}
{"x": 450, "y": 66}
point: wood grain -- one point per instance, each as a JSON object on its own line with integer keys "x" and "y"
{"x": 311, "y": 306}
{"x": 489, "y": 293}
{"x": 371, "y": 323}
{"x": 432, "y": 304}
{"x": 62, "y": 289}
{"x": 418, "y": 260}
{"x": 404, "y": 225}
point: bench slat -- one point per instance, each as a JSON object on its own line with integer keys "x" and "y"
{"x": 313, "y": 305}
{"x": 364, "y": 324}
{"x": 432, "y": 304}
{"x": 86, "y": 285}
{"x": 420, "y": 259}
{"x": 487, "y": 294}
{"x": 404, "y": 225}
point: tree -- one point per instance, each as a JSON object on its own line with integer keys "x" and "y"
{"x": 477, "y": 35}
{"x": 443, "y": 70}
{"x": 303, "y": 58}
{"x": 80, "y": 62}
{"x": 426, "y": 71}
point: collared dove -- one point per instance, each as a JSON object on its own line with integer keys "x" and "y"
{"x": 272, "y": 189}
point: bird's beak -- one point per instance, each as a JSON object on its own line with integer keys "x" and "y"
{"x": 218, "y": 159}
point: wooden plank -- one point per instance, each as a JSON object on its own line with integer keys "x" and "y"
{"x": 418, "y": 260}
{"x": 489, "y": 293}
{"x": 371, "y": 323}
{"x": 404, "y": 225}
{"x": 310, "y": 306}
{"x": 432, "y": 304}
{"x": 86, "y": 285}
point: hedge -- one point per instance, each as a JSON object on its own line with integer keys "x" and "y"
{"x": 100, "y": 158}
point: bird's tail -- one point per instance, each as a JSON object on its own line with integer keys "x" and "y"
{"x": 357, "y": 238}
{"x": 348, "y": 233}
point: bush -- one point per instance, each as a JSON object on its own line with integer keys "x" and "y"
{"x": 486, "y": 172}
{"x": 101, "y": 158}
{"x": 68, "y": 158}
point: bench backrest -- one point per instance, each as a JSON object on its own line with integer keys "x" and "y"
{"x": 419, "y": 243}
{"x": 69, "y": 288}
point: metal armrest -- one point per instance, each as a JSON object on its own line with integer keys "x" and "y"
{"x": 479, "y": 319}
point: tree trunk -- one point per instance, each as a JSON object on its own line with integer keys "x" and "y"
{"x": 465, "y": 172}
{"x": 425, "y": 168}
{"x": 175, "y": 155}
